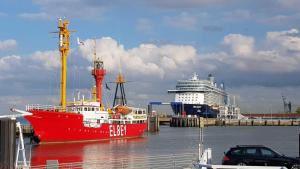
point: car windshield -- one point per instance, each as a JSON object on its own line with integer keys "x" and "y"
{"x": 277, "y": 153}
{"x": 268, "y": 152}
{"x": 237, "y": 152}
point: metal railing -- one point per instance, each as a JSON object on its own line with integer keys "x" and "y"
{"x": 172, "y": 161}
{"x": 42, "y": 107}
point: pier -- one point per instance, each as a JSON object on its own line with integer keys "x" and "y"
{"x": 195, "y": 122}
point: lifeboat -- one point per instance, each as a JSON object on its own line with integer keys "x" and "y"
{"x": 124, "y": 110}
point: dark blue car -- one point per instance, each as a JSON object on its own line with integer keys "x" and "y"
{"x": 257, "y": 155}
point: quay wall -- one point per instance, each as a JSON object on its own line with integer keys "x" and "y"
{"x": 195, "y": 122}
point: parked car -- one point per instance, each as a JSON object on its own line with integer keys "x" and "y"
{"x": 258, "y": 155}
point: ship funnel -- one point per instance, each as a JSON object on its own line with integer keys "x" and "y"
{"x": 222, "y": 86}
{"x": 211, "y": 79}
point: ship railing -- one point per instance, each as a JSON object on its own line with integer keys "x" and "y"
{"x": 125, "y": 121}
{"x": 43, "y": 107}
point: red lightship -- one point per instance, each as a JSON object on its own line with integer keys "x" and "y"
{"x": 84, "y": 120}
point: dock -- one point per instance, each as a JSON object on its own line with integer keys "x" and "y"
{"x": 178, "y": 121}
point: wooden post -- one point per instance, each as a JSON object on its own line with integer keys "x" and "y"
{"x": 7, "y": 143}
{"x": 157, "y": 123}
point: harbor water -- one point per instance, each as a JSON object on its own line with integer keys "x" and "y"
{"x": 170, "y": 141}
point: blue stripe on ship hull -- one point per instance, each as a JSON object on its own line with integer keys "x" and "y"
{"x": 201, "y": 110}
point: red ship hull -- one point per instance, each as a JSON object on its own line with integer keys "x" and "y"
{"x": 52, "y": 126}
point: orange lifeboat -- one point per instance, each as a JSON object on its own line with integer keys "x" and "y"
{"x": 122, "y": 110}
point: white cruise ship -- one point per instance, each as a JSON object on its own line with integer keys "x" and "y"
{"x": 201, "y": 97}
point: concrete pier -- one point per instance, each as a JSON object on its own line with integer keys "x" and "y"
{"x": 178, "y": 121}
{"x": 7, "y": 143}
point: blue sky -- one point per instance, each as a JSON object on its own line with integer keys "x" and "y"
{"x": 252, "y": 46}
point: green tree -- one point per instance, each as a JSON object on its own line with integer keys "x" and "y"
{"x": 298, "y": 110}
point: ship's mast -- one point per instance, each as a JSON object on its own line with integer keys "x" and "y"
{"x": 98, "y": 72}
{"x": 120, "y": 99}
{"x": 64, "y": 44}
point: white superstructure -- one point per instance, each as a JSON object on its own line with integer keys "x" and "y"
{"x": 196, "y": 91}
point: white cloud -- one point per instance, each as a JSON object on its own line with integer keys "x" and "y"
{"x": 147, "y": 59}
{"x": 280, "y": 54}
{"x": 279, "y": 19}
{"x": 292, "y": 4}
{"x": 48, "y": 59}
{"x": 288, "y": 40}
{"x": 183, "y": 21}
{"x": 240, "y": 45}
{"x": 7, "y": 44}
{"x": 51, "y": 9}
{"x": 9, "y": 62}
{"x": 36, "y": 16}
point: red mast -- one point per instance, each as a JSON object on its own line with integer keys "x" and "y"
{"x": 98, "y": 72}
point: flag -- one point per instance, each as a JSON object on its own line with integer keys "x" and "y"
{"x": 106, "y": 86}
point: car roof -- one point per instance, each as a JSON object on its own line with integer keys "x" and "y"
{"x": 250, "y": 146}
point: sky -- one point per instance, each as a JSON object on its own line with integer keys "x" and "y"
{"x": 252, "y": 46}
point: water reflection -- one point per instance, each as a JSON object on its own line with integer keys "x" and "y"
{"x": 89, "y": 152}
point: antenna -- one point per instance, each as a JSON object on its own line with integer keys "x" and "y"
{"x": 95, "y": 49}
{"x": 119, "y": 63}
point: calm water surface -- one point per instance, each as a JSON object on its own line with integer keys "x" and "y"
{"x": 171, "y": 141}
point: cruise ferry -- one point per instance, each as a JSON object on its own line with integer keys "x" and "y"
{"x": 198, "y": 97}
